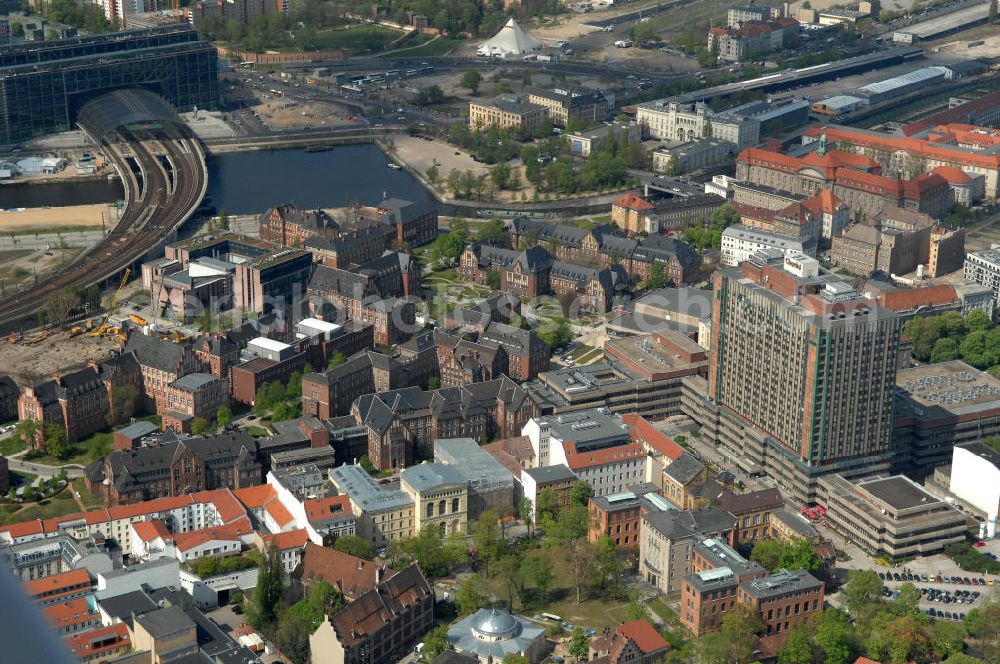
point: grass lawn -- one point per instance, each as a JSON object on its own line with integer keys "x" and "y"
{"x": 439, "y": 46}
{"x": 579, "y": 351}
{"x": 358, "y": 39}
{"x": 94, "y": 446}
{"x": 59, "y": 505}
{"x": 10, "y": 445}
{"x": 592, "y": 355}
{"x": 77, "y": 455}
{"x": 666, "y": 614}
{"x": 90, "y": 501}
{"x": 257, "y": 432}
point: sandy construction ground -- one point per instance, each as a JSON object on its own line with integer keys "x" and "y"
{"x": 57, "y": 353}
{"x": 54, "y": 218}
{"x": 281, "y": 114}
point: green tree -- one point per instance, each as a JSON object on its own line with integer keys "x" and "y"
{"x": 27, "y": 432}
{"x": 433, "y": 174}
{"x": 977, "y": 350}
{"x": 741, "y": 628}
{"x": 323, "y": 600}
{"x": 492, "y": 232}
{"x": 500, "y": 174}
{"x": 947, "y": 638}
{"x": 58, "y": 306}
{"x": 223, "y": 416}
{"x": 907, "y": 603}
{"x": 657, "y": 278}
{"x": 121, "y": 404}
{"x": 548, "y": 504}
{"x": 797, "y": 650}
{"x": 993, "y": 11}
{"x": 978, "y": 320}
{"x": 56, "y": 442}
{"x": 493, "y": 277}
{"x": 862, "y": 591}
{"x": 579, "y": 643}
{"x": 580, "y": 493}
{"x": 526, "y": 510}
{"x": 515, "y": 658}
{"x": 292, "y": 638}
{"x": 945, "y": 349}
{"x": 355, "y": 546}
{"x": 472, "y": 595}
{"x": 267, "y": 594}
{"x": 488, "y": 541}
{"x": 337, "y": 359}
{"x": 200, "y": 426}
{"x": 435, "y": 643}
{"x": 471, "y": 79}
{"x": 538, "y": 567}
{"x": 835, "y": 637}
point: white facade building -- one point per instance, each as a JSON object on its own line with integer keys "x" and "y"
{"x": 975, "y": 477}
{"x": 739, "y": 243}
{"x": 983, "y": 267}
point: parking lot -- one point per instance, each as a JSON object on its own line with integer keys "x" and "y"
{"x": 947, "y": 597}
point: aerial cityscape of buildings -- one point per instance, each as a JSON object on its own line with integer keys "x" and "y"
{"x": 610, "y": 363}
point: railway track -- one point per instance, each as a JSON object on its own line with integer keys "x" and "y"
{"x": 157, "y": 202}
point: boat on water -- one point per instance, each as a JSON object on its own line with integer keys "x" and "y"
{"x": 318, "y": 148}
{"x": 394, "y": 166}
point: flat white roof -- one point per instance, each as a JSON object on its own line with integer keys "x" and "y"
{"x": 270, "y": 344}
{"x": 317, "y": 324}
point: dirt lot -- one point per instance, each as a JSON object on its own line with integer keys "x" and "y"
{"x": 958, "y": 44}
{"x": 18, "y": 267}
{"x": 51, "y": 219}
{"x": 280, "y": 114}
{"x": 57, "y": 353}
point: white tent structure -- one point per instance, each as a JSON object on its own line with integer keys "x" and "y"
{"x": 511, "y": 40}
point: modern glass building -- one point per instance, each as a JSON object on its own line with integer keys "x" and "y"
{"x": 43, "y": 84}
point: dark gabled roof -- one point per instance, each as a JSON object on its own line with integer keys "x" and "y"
{"x": 674, "y": 524}
{"x": 578, "y": 273}
{"x": 69, "y": 385}
{"x": 418, "y": 343}
{"x": 490, "y": 255}
{"x": 156, "y": 458}
{"x": 534, "y": 260}
{"x": 157, "y": 353}
{"x": 685, "y": 469}
{"x": 380, "y": 606}
{"x": 662, "y": 248}
{"x": 515, "y": 340}
{"x": 316, "y": 220}
{"x": 570, "y": 236}
{"x": 332, "y": 280}
{"x": 399, "y": 211}
{"x": 613, "y": 278}
{"x": 740, "y": 503}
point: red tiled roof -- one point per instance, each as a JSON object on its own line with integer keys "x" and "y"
{"x": 24, "y": 529}
{"x": 290, "y": 539}
{"x": 149, "y": 507}
{"x": 227, "y": 533}
{"x": 225, "y": 503}
{"x": 910, "y": 299}
{"x": 73, "y": 612}
{"x": 644, "y": 635}
{"x": 349, "y": 574}
{"x": 633, "y": 201}
{"x": 579, "y": 460}
{"x": 913, "y": 146}
{"x": 318, "y": 509}
{"x": 150, "y": 530}
{"x": 825, "y": 201}
{"x": 56, "y": 582}
{"x": 279, "y": 513}
{"x": 952, "y": 175}
{"x": 254, "y": 497}
{"x": 97, "y": 640}
{"x": 640, "y": 430}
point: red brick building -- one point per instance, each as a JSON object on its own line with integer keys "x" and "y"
{"x": 784, "y": 601}
{"x": 635, "y": 642}
{"x": 288, "y": 226}
{"x": 161, "y": 363}
{"x": 462, "y": 361}
{"x": 414, "y": 223}
{"x": 753, "y": 512}
{"x": 194, "y": 395}
{"x": 617, "y": 516}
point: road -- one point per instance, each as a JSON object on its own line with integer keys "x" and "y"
{"x": 164, "y": 174}
{"x": 42, "y": 470}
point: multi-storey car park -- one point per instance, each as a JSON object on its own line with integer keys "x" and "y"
{"x": 44, "y": 84}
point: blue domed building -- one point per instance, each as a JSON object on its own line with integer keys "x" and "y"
{"x": 490, "y": 634}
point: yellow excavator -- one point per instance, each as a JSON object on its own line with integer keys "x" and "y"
{"x": 102, "y": 328}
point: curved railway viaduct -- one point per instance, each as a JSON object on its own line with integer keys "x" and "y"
{"x": 162, "y": 167}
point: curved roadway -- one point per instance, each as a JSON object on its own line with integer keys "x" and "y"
{"x": 157, "y": 202}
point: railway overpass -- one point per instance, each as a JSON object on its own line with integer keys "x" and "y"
{"x": 163, "y": 171}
